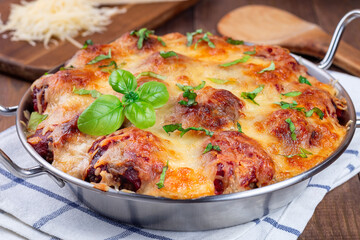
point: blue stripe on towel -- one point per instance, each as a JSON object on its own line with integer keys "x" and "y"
{"x": 124, "y": 234}
{"x": 80, "y": 208}
{"x": 350, "y": 151}
{"x": 320, "y": 186}
{"x": 350, "y": 167}
{"x": 8, "y": 186}
{"x": 282, "y": 227}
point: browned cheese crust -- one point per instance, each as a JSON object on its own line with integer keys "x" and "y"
{"x": 133, "y": 159}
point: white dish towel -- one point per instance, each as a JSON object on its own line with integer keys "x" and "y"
{"x": 38, "y": 209}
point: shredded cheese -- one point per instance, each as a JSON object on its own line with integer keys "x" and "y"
{"x": 49, "y": 21}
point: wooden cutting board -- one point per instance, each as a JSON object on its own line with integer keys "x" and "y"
{"x": 28, "y": 62}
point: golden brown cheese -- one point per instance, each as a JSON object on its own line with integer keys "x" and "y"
{"x": 133, "y": 159}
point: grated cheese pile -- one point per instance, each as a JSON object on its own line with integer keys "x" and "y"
{"x": 48, "y": 20}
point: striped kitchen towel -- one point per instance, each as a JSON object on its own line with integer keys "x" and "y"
{"x": 38, "y": 209}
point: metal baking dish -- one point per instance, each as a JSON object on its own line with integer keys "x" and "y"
{"x": 205, "y": 213}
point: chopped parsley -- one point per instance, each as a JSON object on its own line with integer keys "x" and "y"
{"x": 241, "y": 60}
{"x": 304, "y": 80}
{"x": 160, "y": 184}
{"x": 100, "y": 58}
{"x": 210, "y": 147}
{"x": 168, "y": 54}
{"x": 178, "y": 126}
{"x": 94, "y": 93}
{"x": 292, "y": 128}
{"x": 251, "y": 95}
{"x": 142, "y": 34}
{"x": 189, "y": 93}
{"x": 269, "y": 68}
{"x": 234, "y": 42}
{"x": 87, "y": 43}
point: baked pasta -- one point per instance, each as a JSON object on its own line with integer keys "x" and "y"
{"x": 236, "y": 117}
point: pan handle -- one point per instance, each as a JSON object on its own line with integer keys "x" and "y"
{"x": 27, "y": 172}
{"x": 329, "y": 57}
{"x": 8, "y": 111}
{"x": 357, "y": 125}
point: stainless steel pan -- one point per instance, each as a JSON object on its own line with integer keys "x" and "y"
{"x": 198, "y": 214}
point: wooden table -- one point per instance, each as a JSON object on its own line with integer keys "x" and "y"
{"x": 338, "y": 215}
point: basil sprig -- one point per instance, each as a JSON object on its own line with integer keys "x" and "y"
{"x": 189, "y": 93}
{"x": 87, "y": 43}
{"x": 168, "y": 54}
{"x": 271, "y": 67}
{"x": 234, "y": 42}
{"x": 244, "y": 59}
{"x": 251, "y": 95}
{"x": 106, "y": 114}
{"x": 292, "y": 128}
{"x": 160, "y": 184}
{"x": 210, "y": 147}
{"x": 100, "y": 58}
{"x": 205, "y": 38}
{"x": 142, "y": 34}
{"x": 293, "y": 105}
{"x": 303, "y": 154}
{"x": 304, "y": 80}
{"x": 178, "y": 127}
{"x": 190, "y": 36}
{"x": 94, "y": 93}
{"x": 35, "y": 119}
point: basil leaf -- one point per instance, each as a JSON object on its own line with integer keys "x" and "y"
{"x": 104, "y": 116}
{"x": 292, "y": 128}
{"x": 251, "y": 95}
{"x": 293, "y": 105}
{"x": 161, "y": 41}
{"x": 122, "y": 81}
{"x": 269, "y": 68}
{"x": 218, "y": 81}
{"x": 234, "y": 42}
{"x": 178, "y": 126}
{"x": 160, "y": 184}
{"x": 317, "y": 111}
{"x": 239, "y": 127}
{"x": 154, "y": 93}
{"x": 292, "y": 94}
{"x": 100, "y": 58}
{"x": 205, "y": 38}
{"x": 94, "y": 93}
{"x": 141, "y": 114}
{"x": 130, "y": 97}
{"x": 151, "y": 74}
{"x": 87, "y": 43}
{"x": 112, "y": 63}
{"x": 304, "y": 80}
{"x": 35, "y": 119}
{"x": 251, "y": 52}
{"x": 190, "y": 36}
{"x": 168, "y": 54}
{"x": 241, "y": 60}
{"x": 143, "y": 35}
{"x": 210, "y": 147}
{"x": 189, "y": 93}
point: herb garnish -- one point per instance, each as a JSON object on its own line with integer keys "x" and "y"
{"x": 151, "y": 74}
{"x": 241, "y": 60}
{"x": 178, "y": 126}
{"x": 67, "y": 68}
{"x": 251, "y": 52}
{"x": 210, "y": 147}
{"x": 160, "y": 184}
{"x": 304, "y": 80}
{"x": 190, "y": 36}
{"x": 234, "y": 42}
{"x": 303, "y": 153}
{"x": 293, "y": 105}
{"x": 100, "y": 58}
{"x": 269, "y": 68}
{"x": 142, "y": 34}
{"x": 94, "y": 93}
{"x": 161, "y": 41}
{"x": 218, "y": 81}
{"x": 251, "y": 95}
{"x": 168, "y": 54}
{"x": 189, "y": 93}
{"x": 87, "y": 43}
{"x": 291, "y": 94}
{"x": 35, "y": 119}
{"x": 205, "y": 38}
{"x": 239, "y": 127}
{"x": 112, "y": 63}
{"x": 292, "y": 128}
{"x": 106, "y": 114}
{"x": 317, "y": 111}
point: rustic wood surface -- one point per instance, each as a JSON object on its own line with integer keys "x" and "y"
{"x": 338, "y": 215}
{"x": 28, "y": 62}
